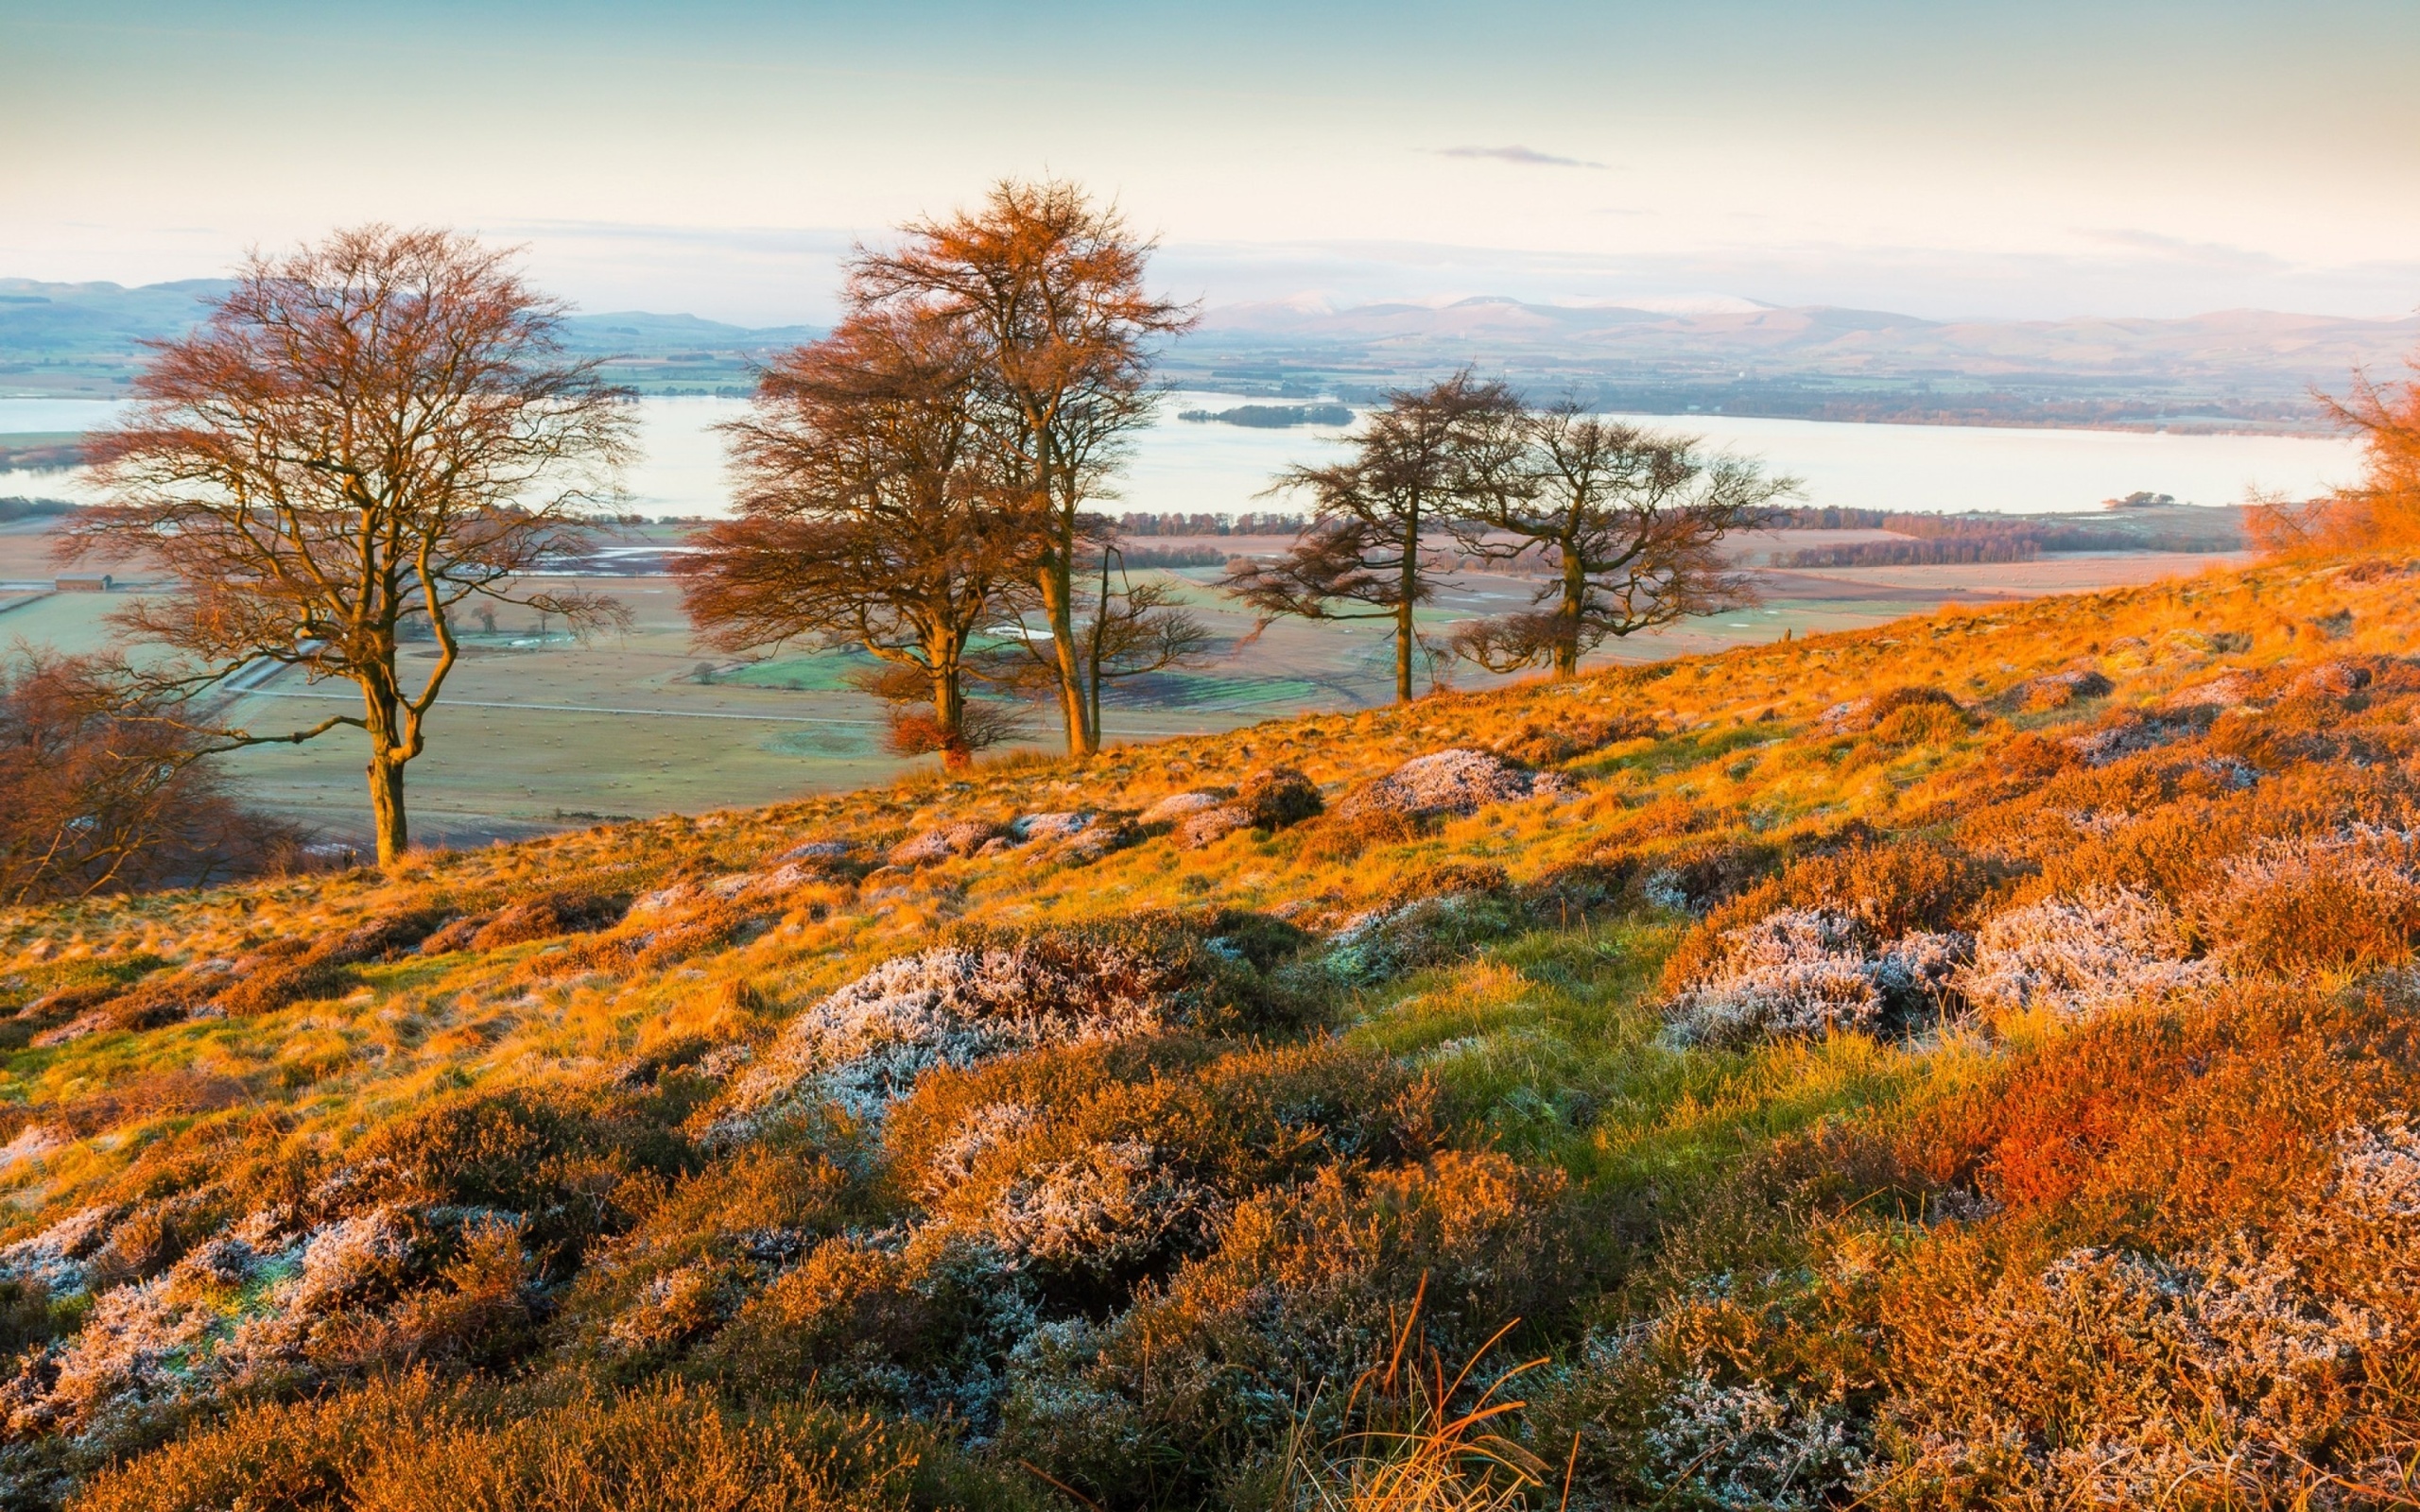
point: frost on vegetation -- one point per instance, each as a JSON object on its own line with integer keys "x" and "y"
{"x": 179, "y": 1337}
{"x": 1178, "y": 806}
{"x": 2082, "y": 956}
{"x": 818, "y": 852}
{"x": 2218, "y": 1369}
{"x": 2377, "y": 1173}
{"x": 1044, "y": 828}
{"x": 1384, "y": 942}
{"x": 1451, "y": 781}
{"x": 963, "y": 838}
{"x": 56, "y": 1256}
{"x": 2115, "y": 743}
{"x": 32, "y": 1142}
{"x": 1110, "y": 1204}
{"x": 1809, "y": 972}
{"x": 976, "y": 1134}
{"x": 865, "y": 1045}
{"x": 1748, "y": 1445}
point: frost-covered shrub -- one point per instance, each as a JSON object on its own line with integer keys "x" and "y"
{"x": 1107, "y": 1205}
{"x": 1449, "y": 782}
{"x": 962, "y": 838}
{"x": 2345, "y": 902}
{"x": 1308, "y": 1284}
{"x": 2110, "y": 1379}
{"x": 1203, "y": 827}
{"x": 922, "y": 1319}
{"x": 2082, "y": 956}
{"x": 2258, "y": 1367}
{"x": 865, "y": 1045}
{"x": 1177, "y": 806}
{"x": 1384, "y": 942}
{"x": 1807, "y": 971}
{"x": 1750, "y": 1445}
{"x": 56, "y": 1256}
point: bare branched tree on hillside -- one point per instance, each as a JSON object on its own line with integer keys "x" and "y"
{"x": 1123, "y": 627}
{"x": 100, "y": 795}
{"x": 869, "y": 515}
{"x": 2381, "y": 512}
{"x": 1418, "y": 466}
{"x": 365, "y": 439}
{"x": 1630, "y": 522}
{"x": 1050, "y": 288}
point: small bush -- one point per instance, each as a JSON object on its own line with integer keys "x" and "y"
{"x": 2082, "y": 957}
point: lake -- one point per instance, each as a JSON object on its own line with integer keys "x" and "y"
{"x": 1187, "y": 466}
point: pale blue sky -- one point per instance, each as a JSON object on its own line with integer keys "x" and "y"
{"x": 2040, "y": 160}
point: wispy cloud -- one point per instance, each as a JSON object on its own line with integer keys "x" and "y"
{"x": 1530, "y": 156}
{"x": 2217, "y": 256}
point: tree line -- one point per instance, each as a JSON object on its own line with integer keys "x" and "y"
{"x": 377, "y": 438}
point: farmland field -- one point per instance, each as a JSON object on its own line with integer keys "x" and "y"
{"x": 541, "y": 732}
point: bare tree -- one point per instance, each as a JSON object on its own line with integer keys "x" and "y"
{"x": 365, "y": 434}
{"x": 1417, "y": 465}
{"x": 99, "y": 794}
{"x": 1123, "y": 629}
{"x": 1630, "y": 522}
{"x": 1050, "y": 286}
{"x": 870, "y": 516}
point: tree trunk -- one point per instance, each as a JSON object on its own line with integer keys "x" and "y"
{"x": 949, "y": 715}
{"x": 1575, "y": 598}
{"x": 1057, "y": 596}
{"x": 1410, "y": 587}
{"x": 387, "y": 803}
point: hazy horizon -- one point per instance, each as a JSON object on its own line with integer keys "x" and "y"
{"x": 2052, "y": 163}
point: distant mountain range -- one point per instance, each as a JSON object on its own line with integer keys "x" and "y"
{"x": 2249, "y": 347}
{"x": 2235, "y": 369}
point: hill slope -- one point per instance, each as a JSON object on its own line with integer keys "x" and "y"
{"x": 1969, "y": 1062}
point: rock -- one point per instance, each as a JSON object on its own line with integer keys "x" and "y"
{"x": 1448, "y": 781}
{"x": 1176, "y": 805}
{"x": 1047, "y": 827}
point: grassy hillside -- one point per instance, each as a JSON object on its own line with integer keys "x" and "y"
{"x": 1963, "y": 1063}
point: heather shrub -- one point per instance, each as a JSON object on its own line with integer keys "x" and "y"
{"x": 918, "y": 1319}
{"x": 2082, "y": 957}
{"x": 2346, "y": 903}
{"x": 301, "y": 1455}
{"x": 1809, "y": 971}
{"x": 665, "y": 1449}
{"x": 408, "y": 1442}
{"x": 1701, "y": 875}
{"x": 572, "y": 1170}
{"x": 1386, "y": 942}
{"x": 546, "y": 915}
{"x": 1089, "y": 1168}
{"x": 717, "y": 1238}
{"x": 2116, "y": 1379}
{"x": 1308, "y": 1284}
{"x": 990, "y": 994}
{"x": 1885, "y": 891}
{"x": 2174, "y": 1127}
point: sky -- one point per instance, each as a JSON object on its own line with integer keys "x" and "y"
{"x": 2040, "y": 160}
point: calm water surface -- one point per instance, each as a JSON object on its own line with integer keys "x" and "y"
{"x": 1192, "y": 466}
